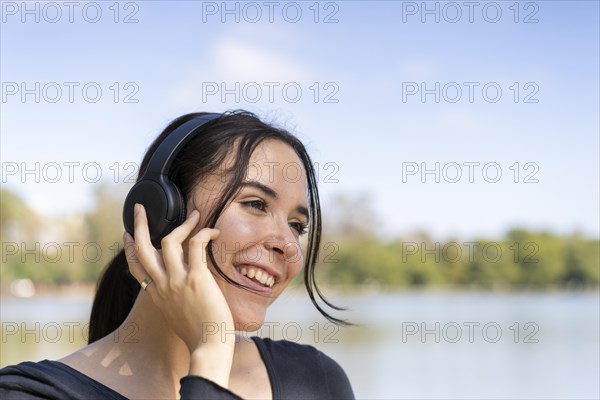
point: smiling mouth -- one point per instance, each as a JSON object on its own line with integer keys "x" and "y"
{"x": 258, "y": 275}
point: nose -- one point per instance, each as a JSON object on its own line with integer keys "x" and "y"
{"x": 281, "y": 242}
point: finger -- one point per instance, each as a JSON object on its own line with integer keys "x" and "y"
{"x": 141, "y": 231}
{"x": 135, "y": 267}
{"x": 198, "y": 243}
{"x": 150, "y": 259}
{"x": 172, "y": 250}
{"x": 182, "y": 232}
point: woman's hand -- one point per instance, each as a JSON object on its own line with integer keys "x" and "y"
{"x": 187, "y": 294}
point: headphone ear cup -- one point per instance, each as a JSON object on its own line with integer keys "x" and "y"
{"x": 177, "y": 210}
{"x": 164, "y": 205}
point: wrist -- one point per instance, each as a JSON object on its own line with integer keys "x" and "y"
{"x": 213, "y": 361}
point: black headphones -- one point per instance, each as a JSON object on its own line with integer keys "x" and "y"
{"x": 162, "y": 199}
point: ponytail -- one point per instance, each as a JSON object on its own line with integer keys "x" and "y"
{"x": 115, "y": 295}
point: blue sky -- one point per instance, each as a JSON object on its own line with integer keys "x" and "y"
{"x": 177, "y": 54}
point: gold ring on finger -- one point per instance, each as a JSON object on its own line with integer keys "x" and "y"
{"x": 147, "y": 280}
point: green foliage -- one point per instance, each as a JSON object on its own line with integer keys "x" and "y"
{"x": 77, "y": 251}
{"x": 353, "y": 256}
{"x": 519, "y": 260}
{"x": 17, "y": 221}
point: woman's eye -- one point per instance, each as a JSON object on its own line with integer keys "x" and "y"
{"x": 256, "y": 204}
{"x": 299, "y": 227}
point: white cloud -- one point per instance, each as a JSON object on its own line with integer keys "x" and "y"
{"x": 241, "y": 61}
{"x": 234, "y": 62}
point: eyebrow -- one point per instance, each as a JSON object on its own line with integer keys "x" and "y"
{"x": 273, "y": 194}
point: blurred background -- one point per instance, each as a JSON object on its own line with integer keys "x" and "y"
{"x": 457, "y": 147}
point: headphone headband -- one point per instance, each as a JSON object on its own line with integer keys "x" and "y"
{"x": 161, "y": 160}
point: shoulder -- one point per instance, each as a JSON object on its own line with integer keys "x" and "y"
{"x": 303, "y": 355}
{"x": 301, "y": 364}
{"x": 30, "y": 380}
{"x": 48, "y": 380}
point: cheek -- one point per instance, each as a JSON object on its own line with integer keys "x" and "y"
{"x": 237, "y": 233}
{"x": 296, "y": 267}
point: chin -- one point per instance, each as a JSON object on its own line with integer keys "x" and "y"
{"x": 247, "y": 323}
{"x": 249, "y": 315}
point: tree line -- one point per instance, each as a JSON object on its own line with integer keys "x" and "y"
{"x": 521, "y": 259}
{"x": 76, "y": 250}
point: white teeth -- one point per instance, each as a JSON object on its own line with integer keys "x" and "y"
{"x": 260, "y": 276}
{"x": 264, "y": 278}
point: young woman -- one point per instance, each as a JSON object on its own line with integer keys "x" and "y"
{"x": 250, "y": 194}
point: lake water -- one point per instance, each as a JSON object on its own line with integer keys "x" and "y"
{"x": 408, "y": 345}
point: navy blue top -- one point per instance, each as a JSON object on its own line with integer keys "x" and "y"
{"x": 295, "y": 371}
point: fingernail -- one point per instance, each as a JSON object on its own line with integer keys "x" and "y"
{"x": 136, "y": 209}
{"x": 193, "y": 214}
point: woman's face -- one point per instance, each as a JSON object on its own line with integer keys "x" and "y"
{"x": 259, "y": 244}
